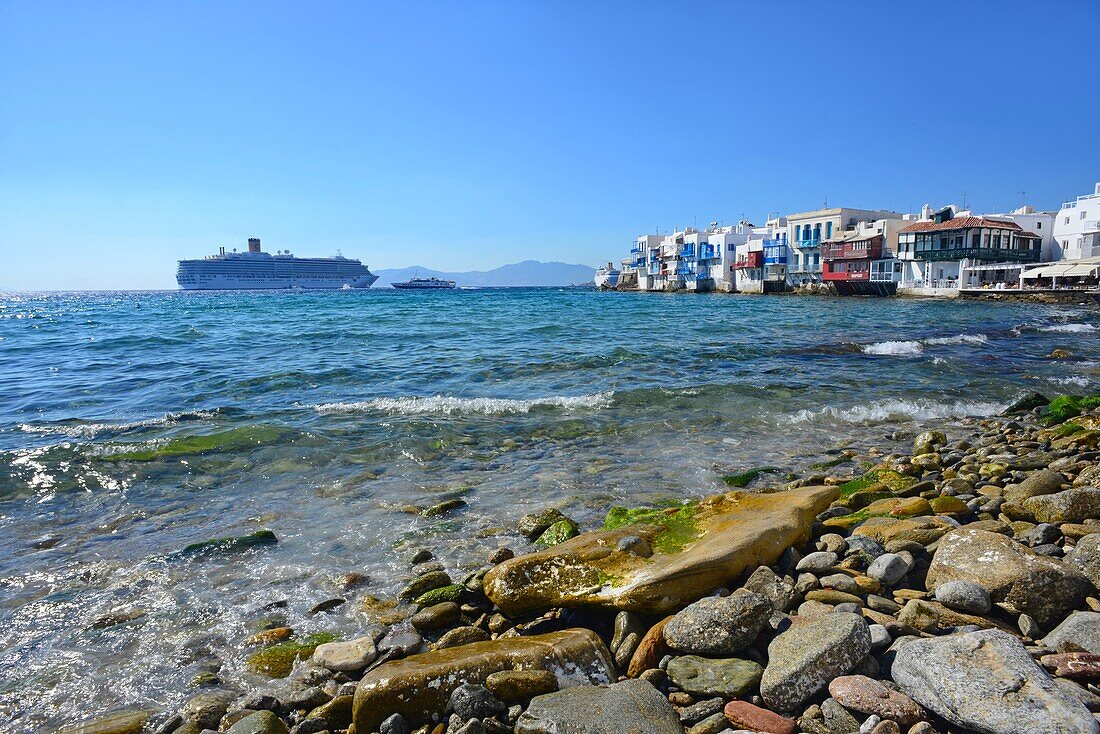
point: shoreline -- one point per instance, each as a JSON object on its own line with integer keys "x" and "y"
{"x": 857, "y": 558}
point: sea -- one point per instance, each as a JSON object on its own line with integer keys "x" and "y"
{"x": 135, "y": 424}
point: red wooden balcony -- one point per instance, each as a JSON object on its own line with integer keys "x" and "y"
{"x": 750, "y": 260}
{"x": 869, "y": 248}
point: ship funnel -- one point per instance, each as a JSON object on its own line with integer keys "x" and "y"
{"x": 253, "y": 244}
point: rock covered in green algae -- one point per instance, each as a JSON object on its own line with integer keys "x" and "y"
{"x": 725, "y": 677}
{"x": 420, "y": 686}
{"x": 225, "y": 546}
{"x": 698, "y": 547}
{"x": 559, "y": 532}
{"x": 278, "y": 660}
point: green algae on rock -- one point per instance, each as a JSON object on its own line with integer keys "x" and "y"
{"x": 235, "y": 439}
{"x": 558, "y": 532}
{"x": 705, "y": 545}
{"x": 278, "y": 660}
{"x": 743, "y": 479}
{"x": 419, "y": 687}
{"x": 220, "y": 546}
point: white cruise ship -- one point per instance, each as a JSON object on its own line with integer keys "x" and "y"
{"x": 257, "y": 270}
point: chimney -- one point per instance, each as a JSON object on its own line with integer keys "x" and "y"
{"x": 253, "y": 244}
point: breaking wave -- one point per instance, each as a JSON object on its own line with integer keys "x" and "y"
{"x": 449, "y": 405}
{"x": 1069, "y": 328}
{"x": 958, "y": 339}
{"x": 898, "y": 410}
{"x": 894, "y": 348}
{"x": 81, "y": 429}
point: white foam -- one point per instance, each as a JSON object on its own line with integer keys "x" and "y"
{"x": 1069, "y": 328}
{"x": 958, "y": 339}
{"x": 898, "y": 410}
{"x": 91, "y": 430}
{"x": 449, "y": 405}
{"x": 894, "y": 349}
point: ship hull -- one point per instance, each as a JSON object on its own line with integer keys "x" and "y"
{"x": 407, "y": 287}
{"x": 262, "y": 272}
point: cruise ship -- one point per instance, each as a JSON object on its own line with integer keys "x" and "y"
{"x": 258, "y": 270}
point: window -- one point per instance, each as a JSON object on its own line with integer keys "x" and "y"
{"x": 828, "y": 229}
{"x": 798, "y": 230}
{"x": 1083, "y": 214}
{"x": 1067, "y": 220}
{"x": 975, "y": 240}
{"x": 1038, "y": 225}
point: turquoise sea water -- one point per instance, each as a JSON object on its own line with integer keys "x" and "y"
{"x": 134, "y": 424}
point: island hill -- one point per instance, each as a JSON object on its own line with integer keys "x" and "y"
{"x": 529, "y": 273}
{"x": 954, "y": 587}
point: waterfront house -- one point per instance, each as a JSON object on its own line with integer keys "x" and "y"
{"x": 860, "y": 261}
{"x": 955, "y": 249}
{"x": 1077, "y": 228}
{"x": 749, "y": 270}
{"x": 645, "y": 260}
{"x": 807, "y": 230}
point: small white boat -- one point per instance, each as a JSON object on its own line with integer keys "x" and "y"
{"x": 425, "y": 284}
{"x": 607, "y": 277}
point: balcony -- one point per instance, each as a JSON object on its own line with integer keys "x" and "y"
{"x": 750, "y": 260}
{"x": 688, "y": 251}
{"x": 686, "y": 270}
{"x": 654, "y": 269}
{"x": 635, "y": 250}
{"x": 994, "y": 254}
{"x": 708, "y": 253}
{"x": 775, "y": 252}
{"x": 807, "y": 244}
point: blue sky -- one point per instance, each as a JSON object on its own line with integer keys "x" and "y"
{"x": 469, "y": 135}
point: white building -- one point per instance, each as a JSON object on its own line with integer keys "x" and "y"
{"x": 1077, "y": 228}
{"x": 807, "y": 230}
{"x": 749, "y": 268}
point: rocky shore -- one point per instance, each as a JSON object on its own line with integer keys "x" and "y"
{"x": 955, "y": 589}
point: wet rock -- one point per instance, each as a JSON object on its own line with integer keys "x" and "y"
{"x": 474, "y": 701}
{"x": 1069, "y": 506}
{"x": 1015, "y": 577}
{"x": 728, "y": 677}
{"x": 558, "y": 533}
{"x": 420, "y": 555}
{"x": 500, "y": 555}
{"x": 964, "y": 596}
{"x": 1079, "y": 632}
{"x": 394, "y": 724}
{"x": 445, "y": 507}
{"x": 986, "y": 681}
{"x": 461, "y": 636}
{"x": 116, "y": 618}
{"x": 744, "y": 715}
{"x": 535, "y": 524}
{"x": 122, "y": 722}
{"x": 634, "y": 544}
{"x": 626, "y": 624}
{"x": 450, "y": 593}
{"x": 269, "y": 637}
{"x": 1085, "y": 557}
{"x": 327, "y": 605}
{"x": 718, "y": 626}
{"x": 399, "y": 643}
{"x": 923, "y": 530}
{"x": 650, "y": 650}
{"x": 346, "y": 657}
{"x": 869, "y": 696}
{"x": 928, "y": 442}
{"x": 630, "y": 706}
{"x": 697, "y": 548}
{"x": 261, "y": 722}
{"x": 436, "y": 617}
{"x": 1036, "y": 484}
{"x": 227, "y": 546}
{"x": 420, "y": 686}
{"x": 516, "y": 686}
{"x": 207, "y": 709}
{"x": 423, "y": 584}
{"x": 802, "y": 660}
{"x": 336, "y": 714}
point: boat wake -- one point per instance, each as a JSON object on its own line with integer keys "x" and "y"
{"x": 450, "y": 405}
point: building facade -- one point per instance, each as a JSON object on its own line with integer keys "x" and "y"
{"x": 1077, "y": 228}
{"x": 861, "y": 261}
{"x": 807, "y": 230}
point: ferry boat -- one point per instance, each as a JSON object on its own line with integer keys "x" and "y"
{"x": 258, "y": 270}
{"x": 607, "y": 277}
{"x": 424, "y": 284}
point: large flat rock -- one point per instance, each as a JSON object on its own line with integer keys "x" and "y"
{"x": 418, "y": 687}
{"x": 633, "y": 706}
{"x": 1015, "y": 577}
{"x": 715, "y": 540}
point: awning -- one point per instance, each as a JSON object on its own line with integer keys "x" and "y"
{"x": 1069, "y": 269}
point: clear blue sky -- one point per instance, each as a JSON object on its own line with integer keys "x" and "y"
{"x": 469, "y": 135}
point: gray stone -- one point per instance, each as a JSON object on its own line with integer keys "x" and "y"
{"x": 346, "y": 657}
{"x": 987, "y": 681}
{"x": 729, "y": 677}
{"x": 1029, "y": 628}
{"x": 1037, "y": 483}
{"x": 1085, "y": 557}
{"x": 778, "y": 590}
{"x": 817, "y": 561}
{"x": 802, "y": 660}
{"x": 261, "y": 722}
{"x": 1071, "y": 505}
{"x": 840, "y": 582}
{"x": 693, "y": 714}
{"x": 473, "y": 701}
{"x": 436, "y": 617}
{"x": 394, "y": 724}
{"x": 865, "y": 546}
{"x": 719, "y": 626}
{"x": 828, "y": 718}
{"x": 889, "y": 568}
{"x": 714, "y": 724}
{"x": 632, "y": 706}
{"x": 964, "y": 596}
{"x": 1080, "y": 632}
{"x": 207, "y": 709}
{"x": 1016, "y": 578}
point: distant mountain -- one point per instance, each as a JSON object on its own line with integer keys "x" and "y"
{"x": 526, "y": 273}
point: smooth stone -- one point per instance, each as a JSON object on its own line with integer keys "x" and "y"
{"x": 828, "y": 718}
{"x": 935, "y": 618}
{"x": 987, "y": 681}
{"x": 869, "y": 696}
{"x": 515, "y": 686}
{"x": 461, "y": 636}
{"x": 423, "y": 584}
{"x": 346, "y": 657}
{"x": 1079, "y": 632}
{"x": 436, "y": 617}
{"x": 121, "y": 722}
{"x": 753, "y": 718}
{"x": 818, "y": 562}
{"x": 419, "y": 687}
{"x": 889, "y": 568}
{"x": 718, "y": 626}
{"x": 728, "y": 677}
{"x": 964, "y": 596}
{"x": 626, "y": 624}
{"x": 261, "y": 722}
{"x": 840, "y": 582}
{"x": 535, "y": 524}
{"x": 696, "y": 712}
{"x": 882, "y": 604}
{"x": 207, "y": 709}
{"x": 923, "y": 530}
{"x": 726, "y": 535}
{"x": 394, "y": 724}
{"x": 1037, "y": 483}
{"x": 803, "y": 659}
{"x": 336, "y": 714}
{"x": 632, "y": 706}
{"x": 714, "y": 724}
{"x": 1015, "y": 577}
{"x": 1071, "y": 505}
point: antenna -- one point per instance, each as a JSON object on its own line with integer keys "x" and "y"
{"x": 1023, "y": 198}
{"x": 965, "y": 207}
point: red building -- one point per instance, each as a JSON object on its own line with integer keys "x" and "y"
{"x": 847, "y": 263}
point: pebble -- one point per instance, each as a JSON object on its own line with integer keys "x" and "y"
{"x": 840, "y": 582}
{"x": 473, "y": 701}
{"x": 964, "y": 596}
{"x": 327, "y": 605}
{"x": 817, "y": 562}
{"x": 696, "y": 712}
{"x": 346, "y": 657}
{"x": 757, "y": 719}
{"x": 889, "y": 568}
{"x": 869, "y": 696}
{"x": 512, "y": 686}
{"x": 436, "y": 617}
